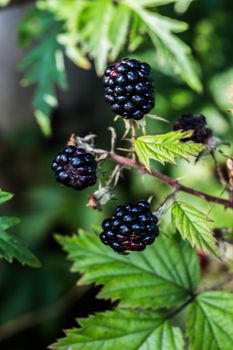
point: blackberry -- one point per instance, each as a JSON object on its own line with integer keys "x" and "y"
{"x": 75, "y": 168}
{"x": 197, "y": 123}
{"x": 129, "y": 88}
{"x": 132, "y": 227}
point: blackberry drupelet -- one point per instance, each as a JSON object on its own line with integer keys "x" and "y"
{"x": 132, "y": 227}
{"x": 197, "y": 123}
{"x": 129, "y": 88}
{"x": 75, "y": 168}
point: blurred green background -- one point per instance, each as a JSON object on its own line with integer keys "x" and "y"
{"x": 36, "y": 304}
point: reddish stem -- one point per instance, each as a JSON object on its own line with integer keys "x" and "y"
{"x": 169, "y": 181}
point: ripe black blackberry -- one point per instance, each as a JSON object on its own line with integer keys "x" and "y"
{"x": 75, "y": 168}
{"x": 197, "y": 123}
{"x": 129, "y": 88}
{"x": 132, "y": 227}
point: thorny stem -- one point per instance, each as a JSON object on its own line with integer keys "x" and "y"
{"x": 130, "y": 163}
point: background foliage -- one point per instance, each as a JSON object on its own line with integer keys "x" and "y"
{"x": 44, "y": 207}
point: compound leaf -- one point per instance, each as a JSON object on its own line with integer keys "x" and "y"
{"x": 128, "y": 329}
{"x": 44, "y": 66}
{"x": 165, "y": 147}
{"x": 193, "y": 225}
{"x": 162, "y": 276}
{"x": 171, "y": 49}
{"x": 210, "y": 323}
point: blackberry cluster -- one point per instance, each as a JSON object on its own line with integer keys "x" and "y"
{"x": 132, "y": 227}
{"x": 75, "y": 168}
{"x": 201, "y": 132}
{"x": 129, "y": 88}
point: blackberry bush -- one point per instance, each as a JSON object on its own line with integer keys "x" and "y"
{"x": 75, "y": 168}
{"x": 129, "y": 88}
{"x": 197, "y": 123}
{"x": 132, "y": 227}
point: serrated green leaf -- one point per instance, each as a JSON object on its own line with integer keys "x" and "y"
{"x": 165, "y": 147}
{"x": 170, "y": 49}
{"x": 95, "y": 33}
{"x": 44, "y": 66}
{"x": 193, "y": 225}
{"x": 163, "y": 275}
{"x": 5, "y": 196}
{"x": 128, "y": 329}
{"x": 7, "y": 222}
{"x": 210, "y": 323}
{"x": 118, "y": 30}
{"x": 11, "y": 247}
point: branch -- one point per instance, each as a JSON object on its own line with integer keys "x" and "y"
{"x": 130, "y": 163}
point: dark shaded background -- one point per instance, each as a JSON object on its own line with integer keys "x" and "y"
{"x": 35, "y": 305}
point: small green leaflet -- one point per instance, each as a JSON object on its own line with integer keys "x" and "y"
{"x": 171, "y": 49}
{"x": 44, "y": 66}
{"x": 165, "y": 147}
{"x": 11, "y": 247}
{"x": 163, "y": 275}
{"x": 193, "y": 225}
{"x": 210, "y": 323}
{"x": 123, "y": 329}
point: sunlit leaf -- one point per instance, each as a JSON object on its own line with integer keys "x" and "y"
{"x": 165, "y": 147}
{"x": 193, "y": 225}
{"x": 161, "y": 276}
{"x": 210, "y": 323}
{"x": 132, "y": 330}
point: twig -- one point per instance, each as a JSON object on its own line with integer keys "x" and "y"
{"x": 130, "y": 163}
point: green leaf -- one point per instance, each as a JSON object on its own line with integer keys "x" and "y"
{"x": 44, "y": 66}
{"x": 193, "y": 225}
{"x": 7, "y": 222}
{"x": 171, "y": 50}
{"x": 163, "y": 275}
{"x": 5, "y": 196}
{"x": 210, "y": 323}
{"x": 165, "y": 147}
{"x": 123, "y": 329}
{"x": 118, "y": 30}
{"x": 11, "y": 247}
{"x": 95, "y": 33}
